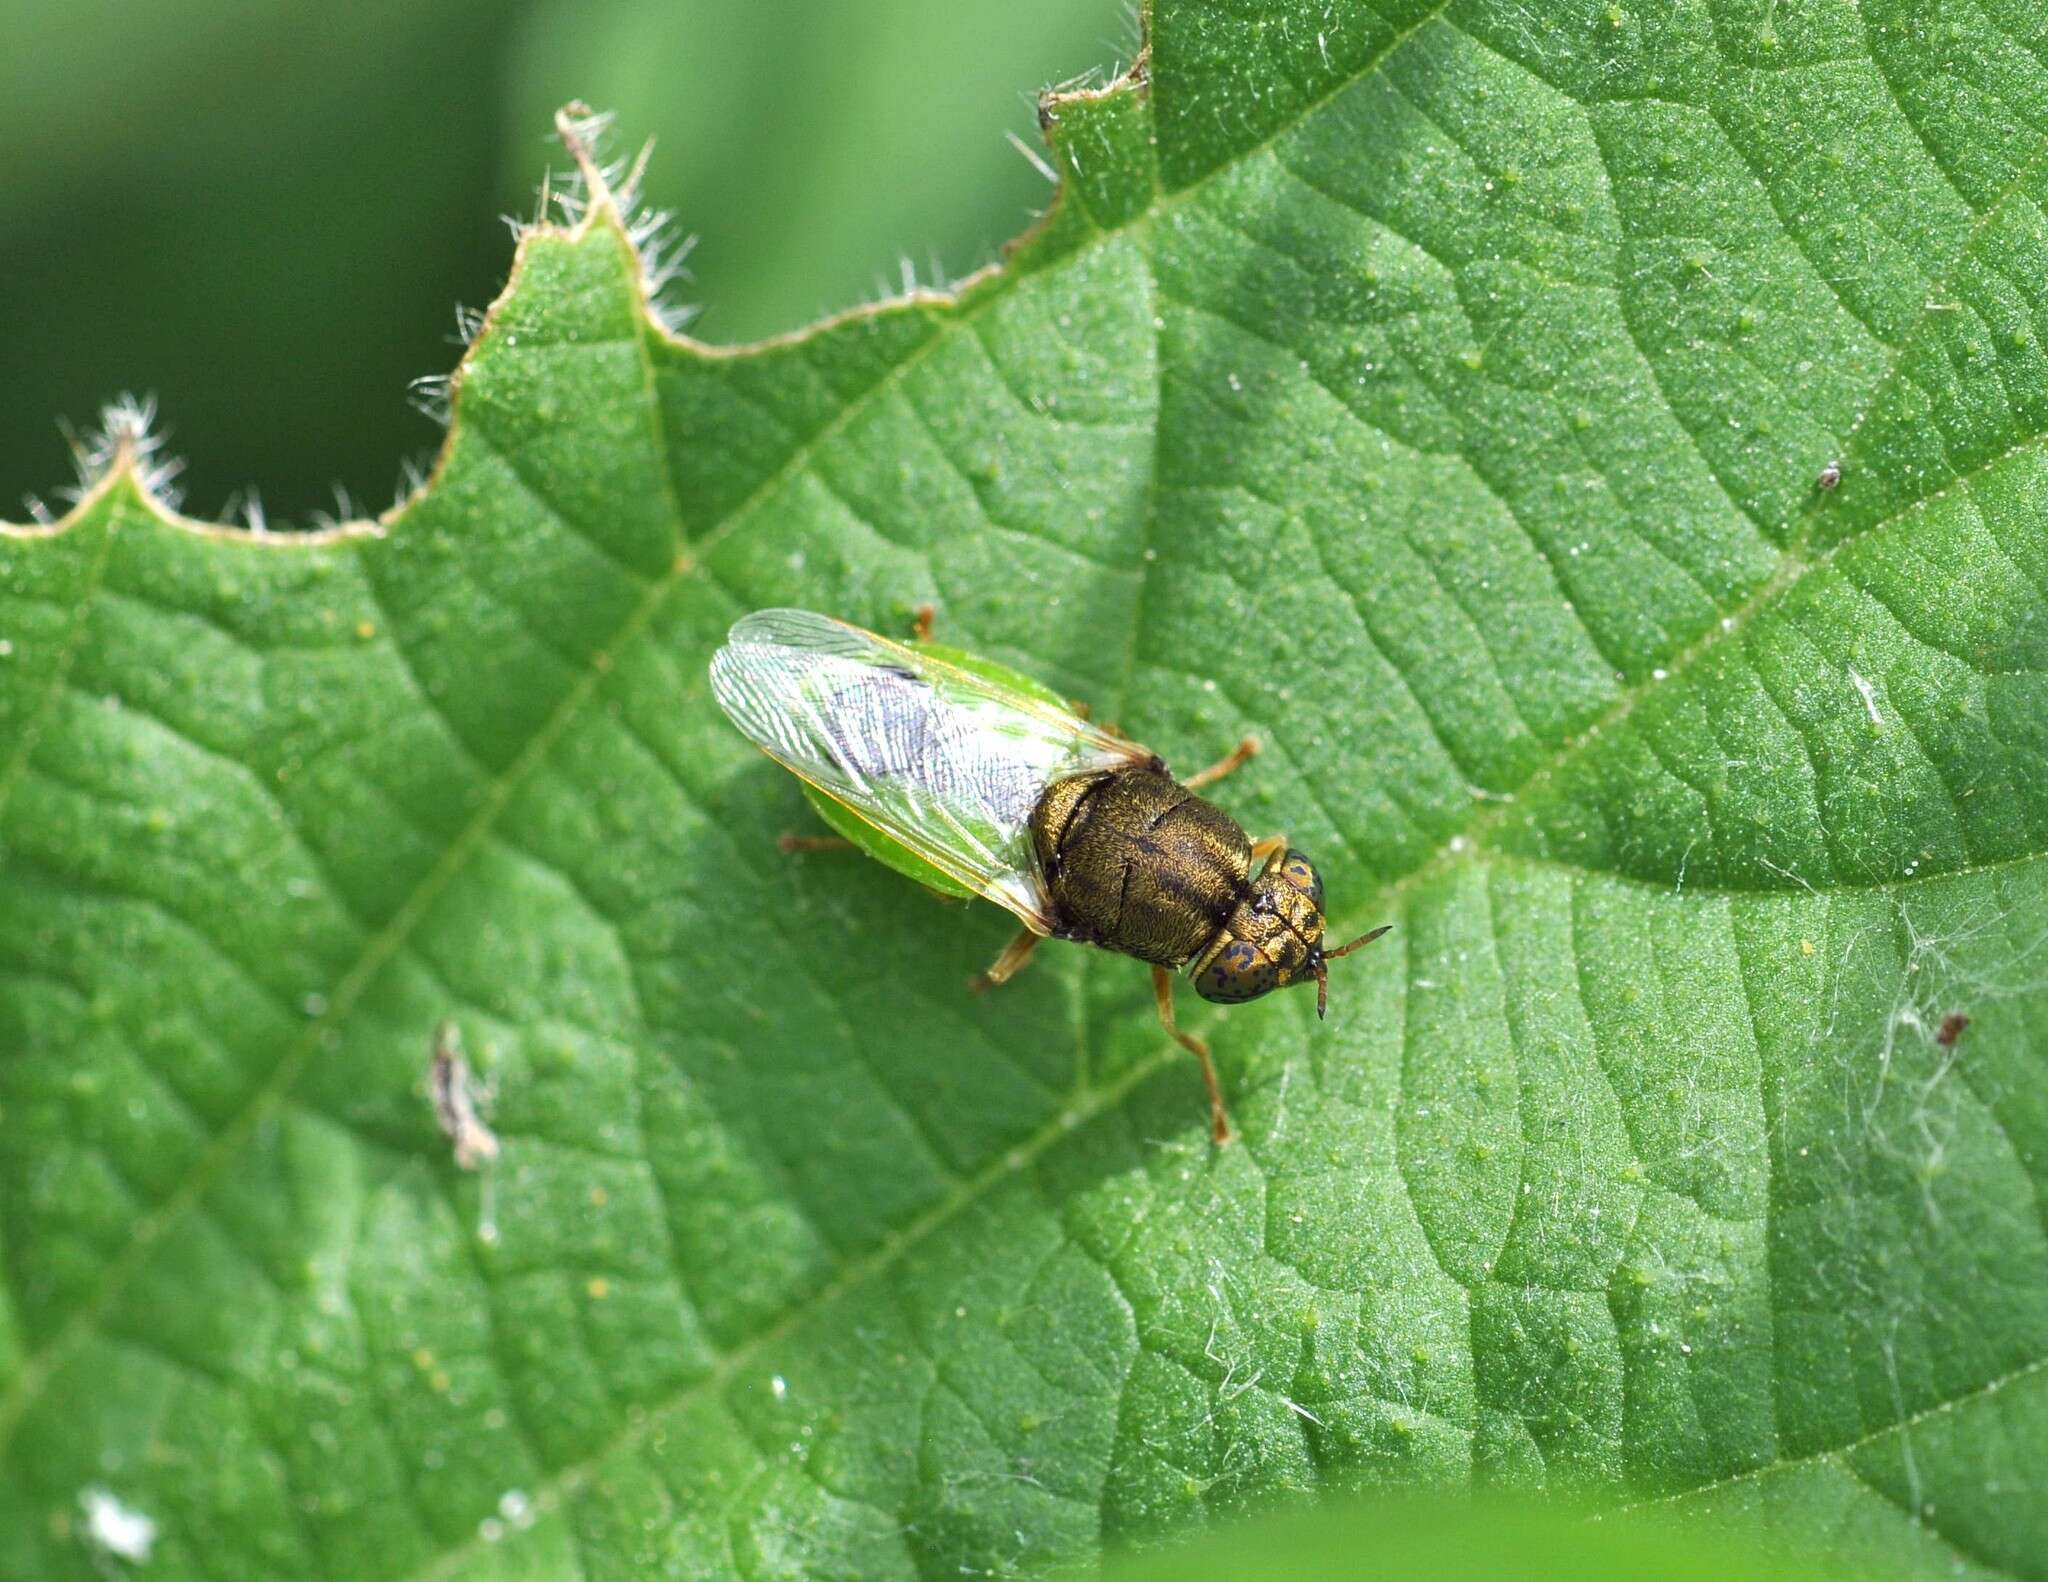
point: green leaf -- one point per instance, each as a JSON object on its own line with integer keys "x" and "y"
{"x": 1437, "y": 390}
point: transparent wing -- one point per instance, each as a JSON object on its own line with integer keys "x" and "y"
{"x": 947, "y": 762}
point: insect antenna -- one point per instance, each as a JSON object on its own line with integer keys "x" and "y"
{"x": 1328, "y": 956}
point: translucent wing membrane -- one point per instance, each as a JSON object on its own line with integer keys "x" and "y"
{"x": 947, "y": 762}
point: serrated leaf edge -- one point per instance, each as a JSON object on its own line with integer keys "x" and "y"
{"x": 116, "y": 455}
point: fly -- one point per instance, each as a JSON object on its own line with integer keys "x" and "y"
{"x": 978, "y": 781}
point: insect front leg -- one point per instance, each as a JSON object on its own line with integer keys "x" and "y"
{"x": 1263, "y": 851}
{"x": 1219, "y": 1118}
{"x": 1009, "y": 963}
{"x": 1245, "y": 749}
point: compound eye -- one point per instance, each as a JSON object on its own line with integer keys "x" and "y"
{"x": 1238, "y": 972}
{"x": 1298, "y": 871}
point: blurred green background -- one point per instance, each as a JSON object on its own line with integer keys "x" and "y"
{"x": 264, "y": 213}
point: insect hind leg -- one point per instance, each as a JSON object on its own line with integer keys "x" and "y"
{"x": 793, "y": 843}
{"x": 1009, "y": 963}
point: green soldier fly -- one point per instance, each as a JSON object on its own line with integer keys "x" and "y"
{"x": 977, "y": 781}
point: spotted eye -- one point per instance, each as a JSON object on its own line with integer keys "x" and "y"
{"x": 1298, "y": 871}
{"x": 1236, "y": 973}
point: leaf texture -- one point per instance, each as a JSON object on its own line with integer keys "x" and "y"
{"x": 1438, "y": 391}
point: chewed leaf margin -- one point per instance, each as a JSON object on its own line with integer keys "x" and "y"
{"x": 126, "y": 449}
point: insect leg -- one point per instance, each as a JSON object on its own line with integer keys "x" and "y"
{"x": 789, "y": 843}
{"x": 1009, "y": 963}
{"x": 1216, "y": 771}
{"x": 1263, "y": 851}
{"x": 1219, "y": 1118}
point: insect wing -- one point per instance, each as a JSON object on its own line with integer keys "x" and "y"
{"x": 947, "y": 762}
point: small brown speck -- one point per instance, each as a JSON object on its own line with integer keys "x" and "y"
{"x": 1951, "y": 1029}
{"x": 1830, "y": 477}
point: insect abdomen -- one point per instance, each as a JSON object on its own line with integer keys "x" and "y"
{"x": 1138, "y": 863}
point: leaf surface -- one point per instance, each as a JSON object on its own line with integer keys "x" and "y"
{"x": 1438, "y": 391}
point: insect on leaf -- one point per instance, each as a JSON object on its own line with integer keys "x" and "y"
{"x": 1434, "y": 390}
